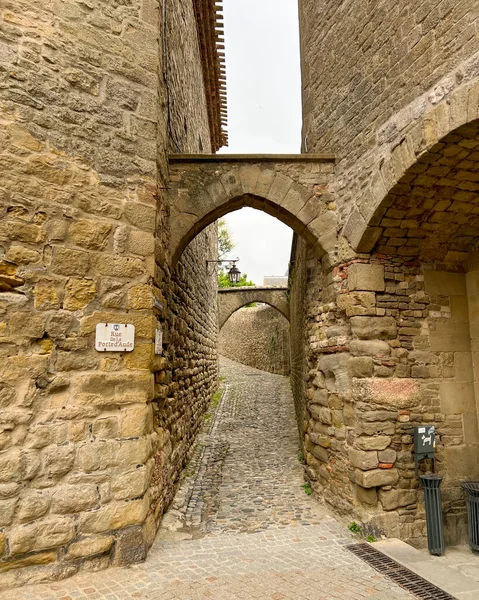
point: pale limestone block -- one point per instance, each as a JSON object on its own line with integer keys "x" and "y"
{"x": 445, "y": 336}
{"x": 130, "y": 485}
{"x": 463, "y": 366}
{"x": 42, "y": 535}
{"x": 442, "y": 283}
{"x": 376, "y": 477}
{"x": 74, "y": 498}
{"x": 376, "y": 442}
{"x": 33, "y": 505}
{"x": 459, "y": 309}
{"x": 470, "y": 427}
{"x": 366, "y": 496}
{"x": 114, "y": 515}
{"x": 89, "y": 547}
{"x": 457, "y": 397}
{"x": 366, "y": 277}
{"x": 363, "y": 460}
{"x": 370, "y": 348}
{"x": 473, "y": 306}
{"x": 393, "y": 499}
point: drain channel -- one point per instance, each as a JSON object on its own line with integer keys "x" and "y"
{"x": 404, "y": 577}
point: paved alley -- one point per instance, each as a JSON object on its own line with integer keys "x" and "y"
{"x": 242, "y": 525}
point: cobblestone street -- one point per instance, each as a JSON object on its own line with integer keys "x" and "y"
{"x": 241, "y": 525}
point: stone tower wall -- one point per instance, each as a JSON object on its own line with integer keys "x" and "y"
{"x": 257, "y": 336}
{"x": 90, "y": 443}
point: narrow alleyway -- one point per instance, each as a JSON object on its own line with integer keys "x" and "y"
{"x": 241, "y": 525}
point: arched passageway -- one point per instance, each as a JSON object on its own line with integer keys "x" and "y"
{"x": 232, "y": 299}
{"x": 292, "y": 188}
{"x": 257, "y": 336}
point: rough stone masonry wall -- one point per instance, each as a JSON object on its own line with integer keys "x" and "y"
{"x": 87, "y": 441}
{"x": 391, "y": 348}
{"x": 257, "y": 336}
{"x": 371, "y": 69}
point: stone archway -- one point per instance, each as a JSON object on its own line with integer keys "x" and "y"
{"x": 396, "y": 163}
{"x": 232, "y": 299}
{"x": 292, "y": 188}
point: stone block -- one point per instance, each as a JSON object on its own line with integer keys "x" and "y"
{"x": 470, "y": 427}
{"x": 366, "y": 277}
{"x": 41, "y": 535}
{"x": 357, "y": 303}
{"x": 106, "y": 428}
{"x": 130, "y": 485}
{"x": 361, "y": 366}
{"x": 7, "y": 510}
{"x": 393, "y": 499}
{"x": 442, "y": 283}
{"x": 21, "y": 255}
{"x": 369, "y": 348}
{"x": 32, "y": 560}
{"x": 320, "y": 397}
{"x": 376, "y": 477}
{"x": 114, "y": 515}
{"x": 33, "y": 505}
{"x": 141, "y": 242}
{"x": 321, "y": 414}
{"x": 397, "y": 392}
{"x": 363, "y": 460}
{"x": 457, "y": 397}
{"x": 27, "y": 324}
{"x": 92, "y": 235}
{"x": 373, "y": 442}
{"x": 67, "y": 261}
{"x": 11, "y": 465}
{"x": 387, "y": 456}
{"x": 335, "y": 369}
{"x": 130, "y": 547}
{"x": 459, "y": 309}
{"x": 140, "y": 296}
{"x": 142, "y": 216}
{"x": 119, "y": 266}
{"x": 367, "y": 496}
{"x": 89, "y": 547}
{"x": 374, "y": 328}
{"x": 136, "y": 421}
{"x": 104, "y": 389}
{"x": 74, "y": 498}
{"x": 78, "y": 293}
{"x": 320, "y": 453}
{"x": 446, "y": 336}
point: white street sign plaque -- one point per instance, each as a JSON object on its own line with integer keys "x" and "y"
{"x": 158, "y": 341}
{"x": 114, "y": 337}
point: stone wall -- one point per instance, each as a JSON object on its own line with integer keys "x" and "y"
{"x": 257, "y": 336}
{"x": 91, "y": 444}
{"x": 389, "y": 348}
{"x": 363, "y": 99}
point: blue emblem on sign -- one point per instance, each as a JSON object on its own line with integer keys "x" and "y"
{"x": 116, "y": 327}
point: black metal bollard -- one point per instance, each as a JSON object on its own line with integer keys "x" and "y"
{"x": 472, "y": 492}
{"x": 432, "y": 501}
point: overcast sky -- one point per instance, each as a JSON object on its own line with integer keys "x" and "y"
{"x": 264, "y": 116}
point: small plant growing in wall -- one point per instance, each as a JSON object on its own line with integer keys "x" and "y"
{"x": 307, "y": 488}
{"x": 354, "y": 528}
{"x": 301, "y": 458}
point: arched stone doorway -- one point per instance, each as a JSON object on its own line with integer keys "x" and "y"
{"x": 292, "y": 188}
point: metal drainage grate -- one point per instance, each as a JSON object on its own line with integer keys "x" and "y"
{"x": 404, "y": 577}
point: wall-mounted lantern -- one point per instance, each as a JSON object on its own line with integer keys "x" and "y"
{"x": 234, "y": 274}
